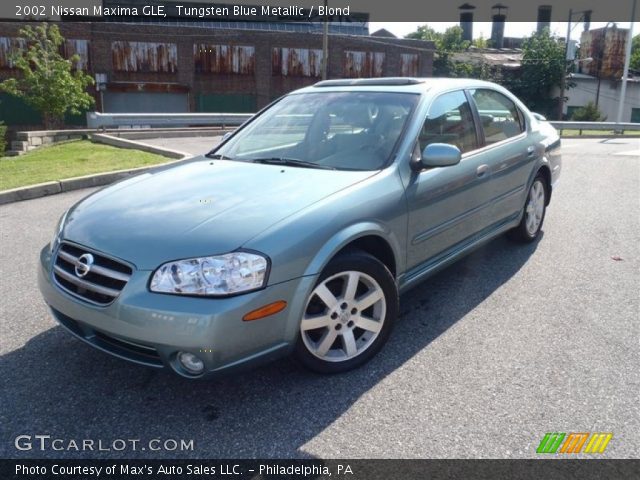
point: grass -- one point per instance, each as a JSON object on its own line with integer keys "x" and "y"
{"x": 70, "y": 159}
{"x": 568, "y": 132}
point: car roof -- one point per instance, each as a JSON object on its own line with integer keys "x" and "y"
{"x": 395, "y": 84}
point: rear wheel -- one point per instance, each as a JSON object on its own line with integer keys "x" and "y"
{"x": 349, "y": 314}
{"x": 534, "y": 210}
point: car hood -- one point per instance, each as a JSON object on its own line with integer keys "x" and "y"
{"x": 204, "y": 207}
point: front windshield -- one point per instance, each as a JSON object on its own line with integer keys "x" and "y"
{"x": 341, "y": 130}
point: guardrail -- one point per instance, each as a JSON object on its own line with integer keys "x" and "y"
{"x": 600, "y": 126}
{"x": 97, "y": 120}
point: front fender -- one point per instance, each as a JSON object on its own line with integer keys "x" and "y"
{"x": 350, "y": 234}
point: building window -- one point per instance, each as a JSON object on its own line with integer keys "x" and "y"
{"x": 79, "y": 47}
{"x": 144, "y": 57}
{"x": 363, "y": 64}
{"x": 10, "y": 46}
{"x": 409, "y": 64}
{"x": 296, "y": 62}
{"x": 224, "y": 59}
{"x": 635, "y": 115}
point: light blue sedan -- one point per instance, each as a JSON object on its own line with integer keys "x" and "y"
{"x": 298, "y": 233}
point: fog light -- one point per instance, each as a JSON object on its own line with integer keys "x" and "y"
{"x": 190, "y": 362}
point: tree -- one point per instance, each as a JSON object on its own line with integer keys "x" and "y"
{"x": 588, "y": 113}
{"x": 543, "y": 66}
{"x": 480, "y": 42}
{"x": 47, "y": 80}
{"x": 635, "y": 53}
{"x": 446, "y": 43}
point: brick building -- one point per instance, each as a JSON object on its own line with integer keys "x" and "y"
{"x": 172, "y": 68}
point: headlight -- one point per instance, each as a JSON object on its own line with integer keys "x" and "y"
{"x": 217, "y": 276}
{"x": 56, "y": 234}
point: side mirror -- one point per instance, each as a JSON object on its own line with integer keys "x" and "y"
{"x": 537, "y": 116}
{"x": 439, "y": 155}
{"x": 225, "y": 136}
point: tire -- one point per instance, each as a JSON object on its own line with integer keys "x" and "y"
{"x": 533, "y": 213}
{"x": 349, "y": 314}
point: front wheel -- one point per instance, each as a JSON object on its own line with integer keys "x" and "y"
{"x": 349, "y": 314}
{"x": 534, "y": 210}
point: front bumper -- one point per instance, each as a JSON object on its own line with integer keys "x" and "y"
{"x": 151, "y": 328}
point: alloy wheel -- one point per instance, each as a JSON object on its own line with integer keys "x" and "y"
{"x": 343, "y": 317}
{"x": 535, "y": 207}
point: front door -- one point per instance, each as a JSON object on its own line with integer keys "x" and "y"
{"x": 447, "y": 205}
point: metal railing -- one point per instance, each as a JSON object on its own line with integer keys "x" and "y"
{"x": 97, "y": 120}
{"x": 163, "y": 120}
{"x": 599, "y": 126}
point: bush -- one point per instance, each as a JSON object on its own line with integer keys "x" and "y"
{"x": 3, "y": 138}
{"x": 588, "y": 113}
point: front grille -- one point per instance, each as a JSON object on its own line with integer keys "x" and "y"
{"x": 103, "y": 282}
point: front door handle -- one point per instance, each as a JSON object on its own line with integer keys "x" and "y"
{"x": 482, "y": 170}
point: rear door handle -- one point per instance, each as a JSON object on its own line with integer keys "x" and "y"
{"x": 482, "y": 170}
{"x": 531, "y": 151}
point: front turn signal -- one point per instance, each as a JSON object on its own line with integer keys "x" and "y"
{"x": 265, "y": 311}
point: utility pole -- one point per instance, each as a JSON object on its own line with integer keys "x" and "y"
{"x": 627, "y": 59}
{"x": 563, "y": 80}
{"x": 325, "y": 43}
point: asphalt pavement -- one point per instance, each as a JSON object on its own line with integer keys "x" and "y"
{"x": 489, "y": 355}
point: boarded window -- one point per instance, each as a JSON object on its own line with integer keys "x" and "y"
{"x": 9, "y": 46}
{"x": 409, "y": 64}
{"x": 72, "y": 47}
{"x": 224, "y": 59}
{"x": 144, "y": 57}
{"x": 363, "y": 64}
{"x": 296, "y": 62}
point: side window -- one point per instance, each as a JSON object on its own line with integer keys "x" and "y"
{"x": 500, "y": 117}
{"x": 450, "y": 121}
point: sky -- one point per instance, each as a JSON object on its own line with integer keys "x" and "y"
{"x": 511, "y": 29}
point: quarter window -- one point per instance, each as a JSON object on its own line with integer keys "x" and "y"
{"x": 450, "y": 121}
{"x": 499, "y": 116}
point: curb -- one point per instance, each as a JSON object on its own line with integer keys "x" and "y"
{"x": 94, "y": 180}
{"x": 145, "y": 147}
{"x": 70, "y": 184}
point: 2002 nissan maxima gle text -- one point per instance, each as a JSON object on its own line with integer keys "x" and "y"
{"x": 299, "y": 231}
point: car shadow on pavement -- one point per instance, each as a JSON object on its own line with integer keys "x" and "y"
{"x": 59, "y": 386}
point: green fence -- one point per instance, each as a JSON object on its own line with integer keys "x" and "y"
{"x": 15, "y": 111}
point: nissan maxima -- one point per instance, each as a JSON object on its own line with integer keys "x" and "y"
{"x": 298, "y": 233}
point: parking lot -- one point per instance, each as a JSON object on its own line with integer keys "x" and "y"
{"x": 489, "y": 355}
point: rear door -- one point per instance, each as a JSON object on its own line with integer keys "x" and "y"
{"x": 506, "y": 149}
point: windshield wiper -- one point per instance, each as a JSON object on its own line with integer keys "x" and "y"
{"x": 291, "y": 162}
{"x": 217, "y": 156}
